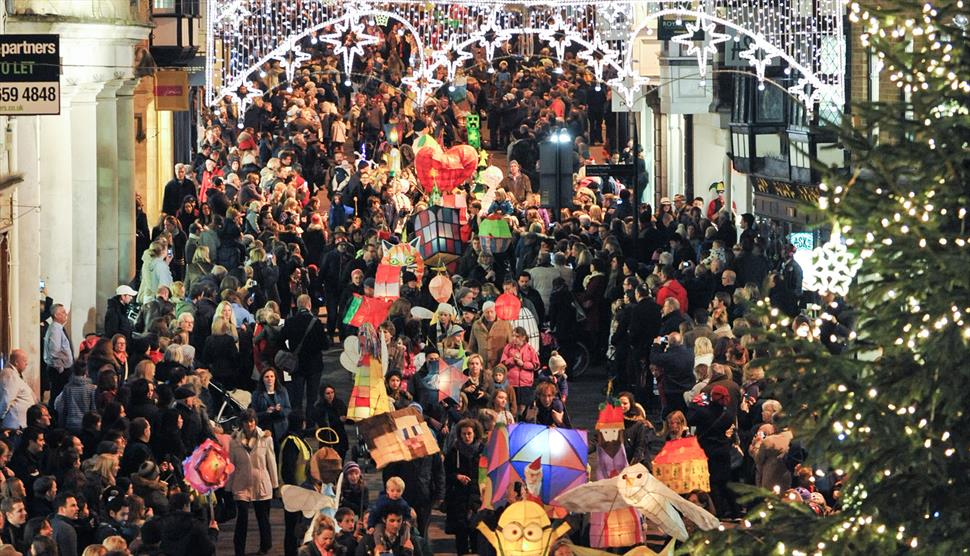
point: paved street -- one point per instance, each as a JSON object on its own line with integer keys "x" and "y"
{"x": 585, "y": 397}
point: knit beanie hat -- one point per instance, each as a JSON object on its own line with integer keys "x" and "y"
{"x": 350, "y": 465}
{"x": 720, "y": 395}
{"x": 556, "y": 362}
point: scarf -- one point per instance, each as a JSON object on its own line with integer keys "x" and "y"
{"x": 469, "y": 450}
{"x": 589, "y": 277}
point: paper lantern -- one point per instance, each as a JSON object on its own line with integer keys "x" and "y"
{"x": 619, "y": 527}
{"x": 402, "y": 435}
{"x": 682, "y": 466}
{"x": 208, "y": 467}
{"x": 387, "y": 282}
{"x": 495, "y": 235}
{"x": 528, "y": 321}
{"x": 405, "y": 255}
{"x": 523, "y": 529}
{"x": 363, "y": 309}
{"x": 445, "y": 170}
{"x": 458, "y": 201}
{"x": 439, "y": 230}
{"x": 507, "y": 306}
{"x": 441, "y": 288}
{"x": 561, "y": 454}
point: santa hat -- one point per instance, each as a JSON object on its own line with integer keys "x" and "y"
{"x": 610, "y": 417}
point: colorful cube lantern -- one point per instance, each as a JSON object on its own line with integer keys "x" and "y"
{"x": 440, "y": 231}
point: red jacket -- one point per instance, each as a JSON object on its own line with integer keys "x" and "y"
{"x": 672, "y": 288}
{"x": 520, "y": 376}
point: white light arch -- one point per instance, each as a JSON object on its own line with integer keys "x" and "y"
{"x": 245, "y": 34}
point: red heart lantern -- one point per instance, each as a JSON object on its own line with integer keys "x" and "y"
{"x": 445, "y": 169}
{"x": 507, "y": 306}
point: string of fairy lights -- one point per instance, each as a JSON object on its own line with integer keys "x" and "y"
{"x": 805, "y": 37}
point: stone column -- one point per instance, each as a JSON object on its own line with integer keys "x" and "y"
{"x": 25, "y": 248}
{"x": 107, "y": 197}
{"x": 126, "y": 181}
{"x": 84, "y": 161}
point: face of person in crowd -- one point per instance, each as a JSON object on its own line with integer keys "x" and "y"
{"x": 60, "y": 315}
{"x": 357, "y": 278}
{"x": 121, "y": 516}
{"x": 474, "y": 367}
{"x": 329, "y": 394}
{"x": 468, "y": 317}
{"x": 324, "y": 539}
{"x": 524, "y": 282}
{"x": 18, "y": 515}
{"x": 501, "y": 400}
{"x": 45, "y": 529}
{"x": 468, "y": 435}
{"x": 518, "y": 340}
{"x": 353, "y": 476}
{"x": 227, "y": 312}
{"x": 498, "y": 375}
{"x": 249, "y": 426}
{"x": 677, "y": 424}
{"x": 121, "y": 345}
{"x": 394, "y": 492}
{"x": 394, "y": 383}
{"x": 187, "y": 323}
{"x": 510, "y": 287}
{"x": 514, "y": 169}
{"x": 37, "y": 446}
{"x": 444, "y": 318}
{"x": 180, "y": 172}
{"x": 348, "y": 522}
{"x": 625, "y": 404}
{"x": 545, "y": 398}
{"x": 77, "y": 444}
{"x": 69, "y": 510}
{"x": 392, "y": 524}
{"x": 269, "y": 380}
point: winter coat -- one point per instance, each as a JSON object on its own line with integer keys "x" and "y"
{"x": 154, "y": 273}
{"x": 461, "y": 501}
{"x": 78, "y": 397}
{"x": 255, "y": 476}
{"x": 154, "y": 492}
{"x": 672, "y": 288}
{"x": 183, "y": 534}
{"x": 524, "y": 375}
{"x": 274, "y": 421}
{"x": 489, "y": 342}
{"x": 116, "y": 319}
{"x": 222, "y": 356}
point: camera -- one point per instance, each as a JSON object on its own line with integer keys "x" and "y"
{"x": 664, "y": 343}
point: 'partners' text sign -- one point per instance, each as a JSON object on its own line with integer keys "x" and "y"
{"x": 30, "y": 75}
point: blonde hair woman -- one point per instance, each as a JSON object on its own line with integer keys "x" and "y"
{"x": 225, "y": 313}
{"x": 154, "y": 271}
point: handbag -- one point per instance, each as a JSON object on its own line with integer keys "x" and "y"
{"x": 288, "y": 360}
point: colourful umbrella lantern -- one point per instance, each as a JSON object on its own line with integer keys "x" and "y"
{"x": 441, "y": 288}
{"x": 208, "y": 468}
{"x": 387, "y": 282}
{"x": 495, "y": 235}
{"x": 445, "y": 170}
{"x": 561, "y": 454}
{"x": 445, "y": 377}
{"x": 682, "y": 466}
{"x": 497, "y": 467}
{"x": 440, "y": 231}
{"x": 507, "y": 306}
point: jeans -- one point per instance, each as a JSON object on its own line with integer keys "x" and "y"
{"x": 308, "y": 384}
{"x": 261, "y": 509}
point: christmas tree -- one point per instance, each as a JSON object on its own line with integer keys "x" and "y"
{"x": 888, "y": 414}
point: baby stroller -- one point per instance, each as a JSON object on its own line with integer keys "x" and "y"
{"x": 574, "y": 352}
{"x": 231, "y": 405}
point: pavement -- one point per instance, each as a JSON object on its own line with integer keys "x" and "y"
{"x": 586, "y": 394}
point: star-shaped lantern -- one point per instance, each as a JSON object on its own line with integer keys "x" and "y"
{"x": 599, "y": 55}
{"x": 491, "y": 35}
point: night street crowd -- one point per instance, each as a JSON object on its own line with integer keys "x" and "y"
{"x": 284, "y": 213}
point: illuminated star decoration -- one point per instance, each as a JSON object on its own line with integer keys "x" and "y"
{"x": 833, "y": 266}
{"x": 491, "y": 35}
{"x": 234, "y": 15}
{"x": 242, "y": 102}
{"x": 628, "y": 83}
{"x": 423, "y": 83}
{"x": 708, "y": 47}
{"x": 451, "y": 56}
{"x": 348, "y": 40}
{"x": 806, "y": 93}
{"x": 559, "y": 35}
{"x": 758, "y": 61}
{"x": 598, "y": 56}
{"x": 291, "y": 58}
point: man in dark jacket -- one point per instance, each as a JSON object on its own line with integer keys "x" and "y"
{"x": 673, "y": 365}
{"x": 176, "y": 190}
{"x": 116, "y": 319}
{"x": 183, "y": 534}
{"x": 205, "y": 310}
{"x": 643, "y": 328}
{"x": 424, "y": 480}
{"x": 306, "y": 337}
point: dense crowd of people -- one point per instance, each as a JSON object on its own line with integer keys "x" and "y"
{"x": 283, "y": 216}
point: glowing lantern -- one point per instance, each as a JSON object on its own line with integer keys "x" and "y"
{"x": 445, "y": 170}
{"x": 507, "y": 306}
{"x": 208, "y": 468}
{"x": 441, "y": 288}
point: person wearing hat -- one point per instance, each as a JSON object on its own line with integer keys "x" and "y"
{"x": 354, "y": 493}
{"x": 195, "y": 423}
{"x": 713, "y": 412}
{"x": 489, "y": 335}
{"x": 146, "y": 483}
{"x": 444, "y": 325}
{"x": 116, "y": 319}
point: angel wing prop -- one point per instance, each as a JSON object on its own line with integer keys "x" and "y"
{"x": 635, "y": 487}
{"x": 310, "y": 502}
